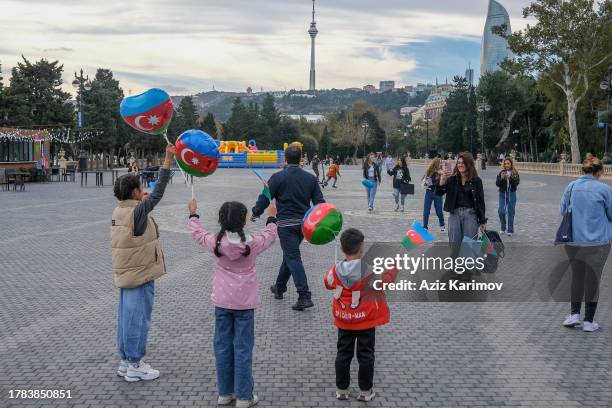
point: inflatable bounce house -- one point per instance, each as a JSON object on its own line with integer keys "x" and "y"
{"x": 238, "y": 154}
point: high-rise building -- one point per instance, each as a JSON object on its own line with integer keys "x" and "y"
{"x": 313, "y": 33}
{"x": 494, "y": 48}
{"x": 469, "y": 76}
{"x": 385, "y": 86}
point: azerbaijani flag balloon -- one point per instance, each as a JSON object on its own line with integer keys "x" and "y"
{"x": 322, "y": 223}
{"x": 150, "y": 112}
{"x": 197, "y": 153}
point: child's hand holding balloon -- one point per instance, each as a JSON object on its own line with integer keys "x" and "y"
{"x": 169, "y": 159}
{"x": 193, "y": 206}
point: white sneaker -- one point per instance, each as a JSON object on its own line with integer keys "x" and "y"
{"x": 366, "y": 395}
{"x": 509, "y": 234}
{"x": 247, "y": 403}
{"x": 122, "y": 370}
{"x": 140, "y": 371}
{"x": 443, "y": 229}
{"x": 590, "y": 326}
{"x": 225, "y": 399}
{"x": 572, "y": 320}
{"x": 343, "y": 395}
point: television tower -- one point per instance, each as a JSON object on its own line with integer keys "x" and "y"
{"x": 313, "y": 33}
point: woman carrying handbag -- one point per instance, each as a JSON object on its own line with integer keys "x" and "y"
{"x": 401, "y": 183}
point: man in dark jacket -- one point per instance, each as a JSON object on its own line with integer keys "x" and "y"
{"x": 294, "y": 190}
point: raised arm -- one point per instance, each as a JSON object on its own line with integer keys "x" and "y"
{"x": 205, "y": 238}
{"x": 147, "y": 205}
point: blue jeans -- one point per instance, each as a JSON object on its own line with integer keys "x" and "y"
{"x": 372, "y": 193}
{"x": 290, "y": 239}
{"x": 133, "y": 321}
{"x": 507, "y": 205}
{"x": 399, "y": 198}
{"x": 430, "y": 197}
{"x": 233, "y": 343}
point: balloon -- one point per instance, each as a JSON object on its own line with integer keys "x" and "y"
{"x": 150, "y": 112}
{"x": 197, "y": 153}
{"x": 322, "y": 223}
{"x": 367, "y": 183}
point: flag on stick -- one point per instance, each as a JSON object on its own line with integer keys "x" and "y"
{"x": 262, "y": 177}
{"x": 416, "y": 236}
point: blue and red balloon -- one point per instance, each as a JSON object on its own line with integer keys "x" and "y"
{"x": 197, "y": 153}
{"x": 149, "y": 112}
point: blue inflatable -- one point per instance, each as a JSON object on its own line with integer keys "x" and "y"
{"x": 367, "y": 183}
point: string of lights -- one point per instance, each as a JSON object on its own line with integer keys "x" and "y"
{"x": 58, "y": 135}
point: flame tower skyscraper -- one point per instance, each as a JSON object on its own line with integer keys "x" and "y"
{"x": 313, "y": 33}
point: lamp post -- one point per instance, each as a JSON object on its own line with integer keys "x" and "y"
{"x": 606, "y": 85}
{"x": 483, "y": 107}
{"x": 427, "y": 120}
{"x": 365, "y": 126}
{"x": 82, "y": 84}
{"x": 517, "y": 141}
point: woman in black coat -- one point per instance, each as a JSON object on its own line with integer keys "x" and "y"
{"x": 464, "y": 200}
{"x": 401, "y": 176}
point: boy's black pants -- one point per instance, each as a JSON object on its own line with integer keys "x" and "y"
{"x": 365, "y": 356}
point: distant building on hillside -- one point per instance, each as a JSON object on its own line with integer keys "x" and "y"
{"x": 309, "y": 118}
{"x": 434, "y": 104}
{"x": 302, "y": 95}
{"x": 494, "y": 49}
{"x": 385, "y": 86}
{"x": 407, "y": 110}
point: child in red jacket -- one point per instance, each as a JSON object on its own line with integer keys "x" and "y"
{"x": 357, "y": 310}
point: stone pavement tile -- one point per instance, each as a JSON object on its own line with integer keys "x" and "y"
{"x": 58, "y": 302}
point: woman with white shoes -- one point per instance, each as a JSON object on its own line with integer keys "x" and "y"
{"x": 590, "y": 203}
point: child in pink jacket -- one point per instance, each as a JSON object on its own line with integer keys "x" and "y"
{"x": 235, "y": 296}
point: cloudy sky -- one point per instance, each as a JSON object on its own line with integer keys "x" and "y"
{"x": 187, "y": 46}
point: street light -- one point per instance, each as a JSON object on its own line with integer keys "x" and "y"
{"x": 606, "y": 85}
{"x": 82, "y": 84}
{"x": 365, "y": 126}
{"x": 483, "y": 107}
{"x": 427, "y": 120}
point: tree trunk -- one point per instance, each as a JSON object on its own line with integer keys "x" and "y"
{"x": 573, "y": 128}
{"x": 505, "y": 132}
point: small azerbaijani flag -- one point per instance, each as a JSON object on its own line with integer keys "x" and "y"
{"x": 266, "y": 190}
{"x": 416, "y": 236}
{"x": 487, "y": 247}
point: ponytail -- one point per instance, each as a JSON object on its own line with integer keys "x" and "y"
{"x": 219, "y": 238}
{"x": 247, "y": 249}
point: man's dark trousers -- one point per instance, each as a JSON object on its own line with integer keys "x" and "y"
{"x": 290, "y": 239}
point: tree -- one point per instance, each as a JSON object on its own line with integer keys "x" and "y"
{"x": 458, "y": 118}
{"x": 325, "y": 144}
{"x": 311, "y": 146}
{"x": 497, "y": 89}
{"x": 569, "y": 40}
{"x": 209, "y": 125}
{"x": 35, "y": 95}
{"x": 100, "y": 111}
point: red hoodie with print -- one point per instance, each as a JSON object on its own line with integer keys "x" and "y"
{"x": 356, "y": 305}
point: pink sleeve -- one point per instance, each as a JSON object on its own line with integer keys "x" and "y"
{"x": 264, "y": 239}
{"x": 201, "y": 236}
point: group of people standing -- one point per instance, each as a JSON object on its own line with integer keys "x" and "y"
{"x": 138, "y": 260}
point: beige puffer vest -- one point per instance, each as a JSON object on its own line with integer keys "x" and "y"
{"x": 136, "y": 260}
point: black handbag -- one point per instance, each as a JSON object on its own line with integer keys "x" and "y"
{"x": 564, "y": 232}
{"x": 407, "y": 188}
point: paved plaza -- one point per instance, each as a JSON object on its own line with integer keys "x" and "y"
{"x": 58, "y": 311}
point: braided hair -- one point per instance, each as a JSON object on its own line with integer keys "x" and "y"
{"x": 232, "y": 218}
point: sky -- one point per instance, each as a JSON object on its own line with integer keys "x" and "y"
{"x": 189, "y": 46}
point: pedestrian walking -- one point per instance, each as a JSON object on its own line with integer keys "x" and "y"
{"x": 401, "y": 178}
{"x": 507, "y": 180}
{"x": 590, "y": 203}
{"x": 294, "y": 190}
{"x": 431, "y": 183}
{"x": 333, "y": 173}
{"x": 371, "y": 172}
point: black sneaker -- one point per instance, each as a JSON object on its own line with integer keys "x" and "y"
{"x": 274, "y": 289}
{"x": 302, "y": 304}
